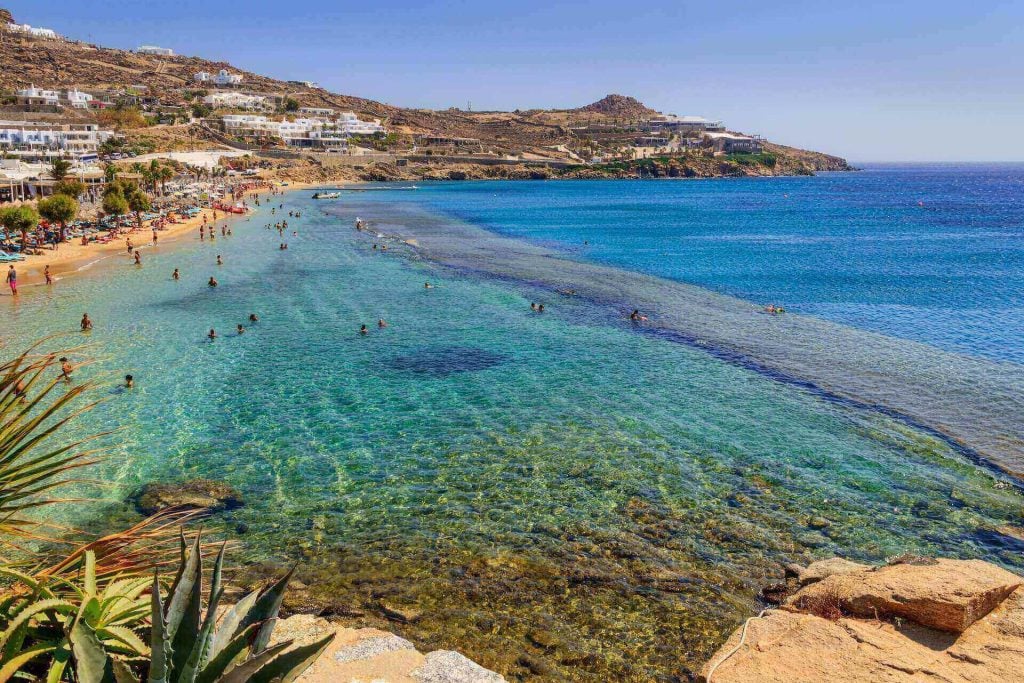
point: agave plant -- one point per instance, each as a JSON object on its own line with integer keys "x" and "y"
{"x": 85, "y": 629}
{"x": 188, "y": 647}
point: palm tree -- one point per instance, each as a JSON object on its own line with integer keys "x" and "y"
{"x": 59, "y": 168}
{"x": 166, "y": 173}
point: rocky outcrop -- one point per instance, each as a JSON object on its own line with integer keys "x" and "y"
{"x": 948, "y": 595}
{"x": 197, "y": 494}
{"x": 368, "y": 655}
{"x": 619, "y": 105}
{"x": 945, "y": 620}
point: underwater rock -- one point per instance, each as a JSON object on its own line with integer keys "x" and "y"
{"x": 402, "y": 613}
{"x": 448, "y": 666}
{"x": 198, "y": 494}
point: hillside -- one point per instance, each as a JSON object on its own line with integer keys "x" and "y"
{"x": 169, "y": 83}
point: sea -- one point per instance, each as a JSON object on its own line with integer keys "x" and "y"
{"x": 572, "y": 494}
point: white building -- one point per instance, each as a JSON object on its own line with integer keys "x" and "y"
{"x": 236, "y": 100}
{"x": 302, "y": 132}
{"x": 33, "y": 96}
{"x": 223, "y": 77}
{"x": 320, "y": 112}
{"x": 42, "y": 139}
{"x": 76, "y": 99}
{"x": 154, "y": 50}
{"x": 33, "y": 31}
{"x": 684, "y": 123}
{"x": 202, "y": 77}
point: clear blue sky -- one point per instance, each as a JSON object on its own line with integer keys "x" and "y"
{"x": 938, "y": 80}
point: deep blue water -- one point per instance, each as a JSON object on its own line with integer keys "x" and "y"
{"x": 932, "y": 253}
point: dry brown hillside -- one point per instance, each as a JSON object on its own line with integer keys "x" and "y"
{"x": 69, "y": 63}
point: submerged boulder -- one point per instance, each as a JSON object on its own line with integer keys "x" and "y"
{"x": 197, "y": 494}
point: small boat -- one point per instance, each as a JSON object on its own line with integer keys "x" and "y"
{"x": 326, "y": 195}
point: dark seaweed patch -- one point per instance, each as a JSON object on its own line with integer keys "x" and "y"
{"x": 445, "y": 361}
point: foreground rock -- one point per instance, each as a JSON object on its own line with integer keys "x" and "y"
{"x": 368, "y": 655}
{"x": 977, "y": 607}
{"x": 197, "y": 494}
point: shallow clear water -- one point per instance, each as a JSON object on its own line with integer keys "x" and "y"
{"x": 522, "y": 479}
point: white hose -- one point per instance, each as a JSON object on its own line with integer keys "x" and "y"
{"x": 743, "y": 637}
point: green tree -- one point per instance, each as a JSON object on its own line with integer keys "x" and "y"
{"x": 114, "y": 204}
{"x": 59, "y": 168}
{"x": 138, "y": 202}
{"x": 20, "y": 219}
{"x": 71, "y": 188}
{"x": 291, "y": 104}
{"x": 110, "y": 172}
{"x": 200, "y": 111}
{"x": 60, "y": 209}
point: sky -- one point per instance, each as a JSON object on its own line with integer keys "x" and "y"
{"x": 870, "y": 81}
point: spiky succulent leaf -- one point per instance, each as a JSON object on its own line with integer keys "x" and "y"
{"x": 90, "y": 573}
{"x": 123, "y": 673}
{"x": 231, "y": 624}
{"x": 16, "y": 628}
{"x": 201, "y": 647}
{"x": 189, "y": 625}
{"x": 92, "y": 665}
{"x": 160, "y": 642}
{"x": 61, "y": 656}
{"x": 266, "y": 609}
{"x": 245, "y": 671}
{"x": 181, "y": 603}
{"x": 287, "y": 666}
{"x": 220, "y": 663}
{"x": 13, "y": 665}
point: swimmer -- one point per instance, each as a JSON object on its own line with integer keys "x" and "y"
{"x": 220, "y": 261}
{"x": 241, "y": 330}
{"x": 212, "y": 282}
{"x": 636, "y": 317}
{"x": 533, "y": 306}
{"x": 86, "y": 322}
{"x": 540, "y": 308}
{"x": 49, "y": 278}
{"x": 138, "y": 259}
{"x": 427, "y": 285}
{"x": 375, "y": 247}
{"x": 212, "y": 335}
{"x": 363, "y": 330}
{"x": 253, "y": 318}
{"x": 66, "y": 368}
{"x": 381, "y": 323}
{"x": 175, "y": 275}
{"x": 129, "y": 382}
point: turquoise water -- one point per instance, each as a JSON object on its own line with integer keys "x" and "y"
{"x": 625, "y": 488}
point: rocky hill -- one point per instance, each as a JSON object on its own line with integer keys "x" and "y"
{"x": 619, "y": 106}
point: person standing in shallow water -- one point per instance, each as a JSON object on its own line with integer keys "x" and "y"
{"x": 86, "y": 322}
{"x": 12, "y": 280}
{"x": 49, "y": 277}
{"x": 175, "y": 275}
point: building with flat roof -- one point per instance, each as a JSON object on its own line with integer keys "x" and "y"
{"x": 733, "y": 143}
{"x": 40, "y": 139}
{"x": 302, "y": 132}
{"x": 154, "y": 50}
{"x": 236, "y": 100}
{"x": 671, "y": 122}
{"x": 33, "y": 31}
{"x": 222, "y": 77}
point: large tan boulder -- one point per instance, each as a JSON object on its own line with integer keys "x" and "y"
{"x": 789, "y": 647}
{"x": 948, "y": 595}
{"x": 369, "y": 655}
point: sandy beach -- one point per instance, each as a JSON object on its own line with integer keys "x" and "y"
{"x": 74, "y": 257}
